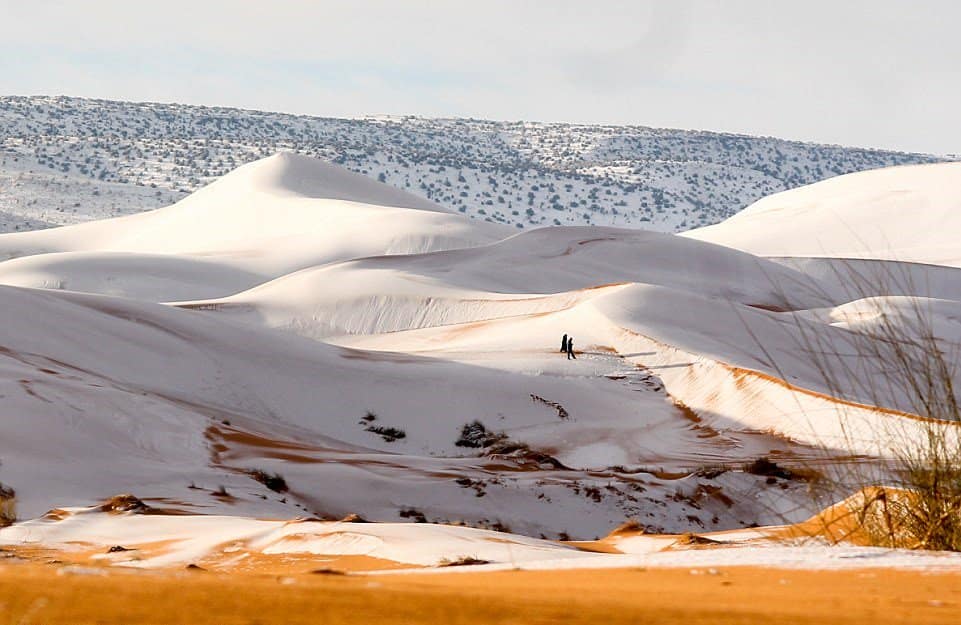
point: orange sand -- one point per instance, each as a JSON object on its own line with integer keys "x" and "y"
{"x": 52, "y": 594}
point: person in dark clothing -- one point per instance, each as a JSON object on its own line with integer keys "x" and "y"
{"x": 564, "y": 344}
{"x": 570, "y": 349}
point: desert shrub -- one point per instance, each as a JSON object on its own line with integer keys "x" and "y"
{"x": 8, "y": 507}
{"x": 710, "y": 471}
{"x": 476, "y": 435}
{"x": 125, "y": 503}
{"x": 413, "y": 513}
{"x": 273, "y": 481}
{"x": 766, "y": 467}
{"x": 222, "y": 492}
{"x": 328, "y": 571}
{"x": 389, "y": 434}
{"x": 462, "y": 561}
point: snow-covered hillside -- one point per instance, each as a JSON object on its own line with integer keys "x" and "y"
{"x": 68, "y": 160}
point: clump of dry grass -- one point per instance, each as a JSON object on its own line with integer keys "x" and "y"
{"x": 923, "y": 508}
{"x": 892, "y": 355}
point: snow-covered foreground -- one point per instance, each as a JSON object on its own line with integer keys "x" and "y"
{"x": 150, "y": 541}
{"x": 298, "y": 340}
{"x": 160, "y": 541}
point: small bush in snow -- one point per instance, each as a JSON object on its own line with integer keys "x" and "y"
{"x": 462, "y": 561}
{"x": 389, "y": 434}
{"x": 413, "y": 513}
{"x": 274, "y": 482}
{"x": 476, "y": 435}
{"x": 8, "y": 508}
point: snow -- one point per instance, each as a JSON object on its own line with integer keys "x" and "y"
{"x": 66, "y": 160}
{"x": 504, "y": 279}
{"x": 291, "y": 315}
{"x": 706, "y": 561}
{"x": 224, "y": 542}
{"x": 189, "y": 539}
{"x": 264, "y": 219}
{"x": 151, "y": 277}
{"x": 904, "y": 213}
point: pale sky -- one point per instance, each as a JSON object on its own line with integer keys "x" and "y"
{"x": 874, "y": 73}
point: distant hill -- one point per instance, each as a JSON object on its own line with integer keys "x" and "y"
{"x": 67, "y": 160}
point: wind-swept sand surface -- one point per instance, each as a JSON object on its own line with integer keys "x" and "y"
{"x": 54, "y": 594}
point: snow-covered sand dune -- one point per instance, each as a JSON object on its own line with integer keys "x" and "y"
{"x": 909, "y": 213}
{"x": 149, "y": 387}
{"x": 266, "y": 219}
{"x": 532, "y": 273}
{"x": 390, "y": 359}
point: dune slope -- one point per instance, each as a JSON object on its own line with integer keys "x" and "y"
{"x": 907, "y": 213}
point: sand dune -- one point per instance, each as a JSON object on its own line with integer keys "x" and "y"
{"x": 904, "y": 213}
{"x": 267, "y": 218}
{"x": 386, "y": 358}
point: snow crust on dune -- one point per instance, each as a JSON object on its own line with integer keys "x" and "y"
{"x": 847, "y": 279}
{"x": 551, "y": 260}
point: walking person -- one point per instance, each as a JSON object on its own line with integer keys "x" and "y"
{"x": 570, "y": 348}
{"x": 564, "y": 344}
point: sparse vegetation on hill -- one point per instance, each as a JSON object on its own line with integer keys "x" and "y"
{"x": 71, "y": 159}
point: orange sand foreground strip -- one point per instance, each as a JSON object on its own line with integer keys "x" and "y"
{"x": 50, "y": 594}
